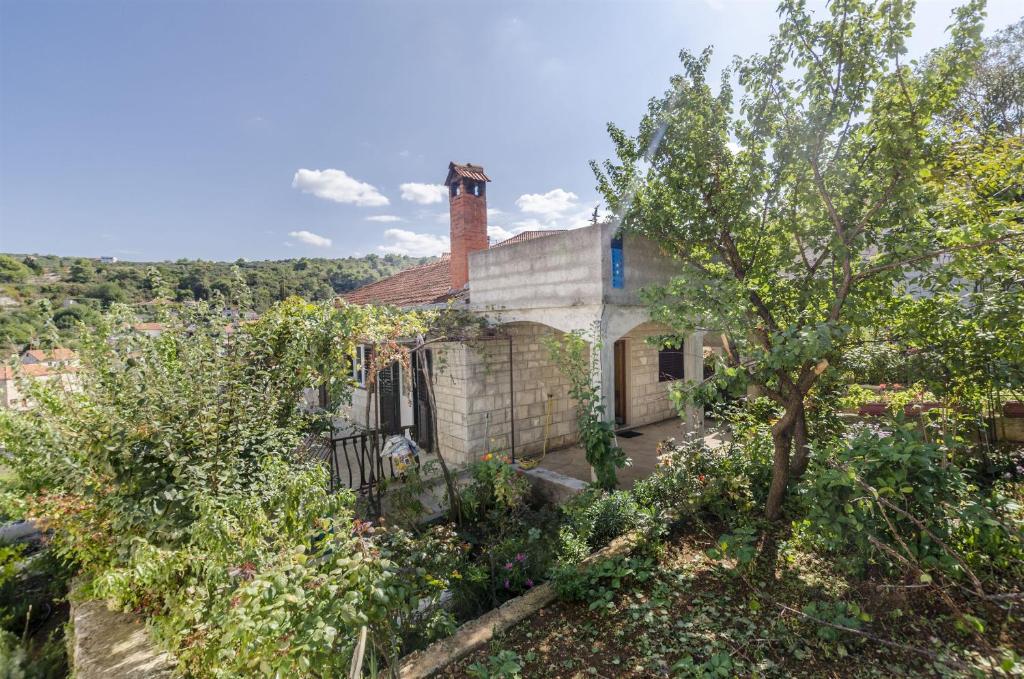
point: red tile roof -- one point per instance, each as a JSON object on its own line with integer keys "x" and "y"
{"x": 147, "y": 327}
{"x": 429, "y": 283}
{"x": 34, "y": 370}
{"x": 469, "y": 171}
{"x": 425, "y": 284}
{"x": 58, "y": 354}
{"x": 527, "y": 235}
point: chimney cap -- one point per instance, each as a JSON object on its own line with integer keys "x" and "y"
{"x": 466, "y": 171}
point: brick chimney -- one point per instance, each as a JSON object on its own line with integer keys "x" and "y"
{"x": 467, "y": 205}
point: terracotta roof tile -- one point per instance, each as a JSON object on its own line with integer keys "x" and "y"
{"x": 468, "y": 170}
{"x": 58, "y": 354}
{"x": 527, "y": 235}
{"x": 424, "y": 284}
{"x": 34, "y": 370}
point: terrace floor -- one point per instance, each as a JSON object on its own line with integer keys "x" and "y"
{"x": 642, "y": 450}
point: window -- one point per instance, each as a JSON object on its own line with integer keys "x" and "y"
{"x": 670, "y": 364}
{"x": 359, "y": 365}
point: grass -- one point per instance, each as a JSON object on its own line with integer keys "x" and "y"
{"x": 695, "y": 616}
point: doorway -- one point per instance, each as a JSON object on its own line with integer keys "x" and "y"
{"x": 619, "y": 353}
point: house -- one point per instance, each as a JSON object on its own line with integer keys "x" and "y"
{"x": 52, "y": 357}
{"x": 11, "y": 396}
{"x": 503, "y": 391}
{"x": 150, "y": 329}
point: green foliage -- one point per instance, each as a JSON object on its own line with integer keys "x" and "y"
{"x": 573, "y": 354}
{"x": 168, "y": 476}
{"x": 693, "y": 478}
{"x": 739, "y": 545}
{"x": 599, "y": 582}
{"x": 836, "y": 619}
{"x": 58, "y": 279}
{"x": 898, "y": 502}
{"x": 12, "y": 271}
{"x": 32, "y": 585}
{"x": 993, "y": 97}
{"x": 497, "y": 490}
{"x": 67, "y": 318}
{"x": 796, "y": 208}
{"x": 855, "y": 397}
{"x": 501, "y": 665}
{"x": 512, "y": 545}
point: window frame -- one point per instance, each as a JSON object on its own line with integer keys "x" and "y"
{"x": 667, "y": 376}
{"x": 359, "y": 366}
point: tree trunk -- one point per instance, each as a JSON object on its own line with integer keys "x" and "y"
{"x": 782, "y": 441}
{"x": 801, "y": 452}
{"x": 780, "y": 473}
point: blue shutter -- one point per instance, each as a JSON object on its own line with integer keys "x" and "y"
{"x": 618, "y": 273}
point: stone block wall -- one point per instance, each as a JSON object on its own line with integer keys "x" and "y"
{"x": 1010, "y": 429}
{"x": 473, "y": 393}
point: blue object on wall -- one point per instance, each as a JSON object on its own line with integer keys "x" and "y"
{"x": 618, "y": 273}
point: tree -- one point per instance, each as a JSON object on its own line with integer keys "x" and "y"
{"x": 68, "y": 317}
{"x": 11, "y": 270}
{"x": 81, "y": 271}
{"x": 993, "y": 97}
{"x": 106, "y": 293}
{"x": 795, "y": 218}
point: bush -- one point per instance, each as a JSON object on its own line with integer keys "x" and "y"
{"x": 693, "y": 477}
{"x": 897, "y": 502}
{"x": 169, "y": 476}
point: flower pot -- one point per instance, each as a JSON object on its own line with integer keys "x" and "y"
{"x": 1013, "y": 409}
{"x": 915, "y": 409}
{"x": 872, "y": 409}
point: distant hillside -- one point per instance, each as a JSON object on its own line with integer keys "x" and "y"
{"x": 78, "y": 288}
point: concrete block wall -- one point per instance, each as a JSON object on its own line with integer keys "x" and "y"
{"x": 647, "y": 399}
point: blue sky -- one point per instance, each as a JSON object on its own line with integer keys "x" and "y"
{"x": 267, "y": 130}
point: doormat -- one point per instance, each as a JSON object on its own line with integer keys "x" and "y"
{"x": 628, "y": 434}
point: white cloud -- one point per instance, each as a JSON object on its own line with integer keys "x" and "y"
{"x": 494, "y": 212}
{"x": 384, "y": 218}
{"x": 550, "y": 204}
{"x": 336, "y": 185}
{"x": 498, "y": 233}
{"x": 404, "y": 242}
{"x": 576, "y": 219}
{"x": 310, "y": 238}
{"x": 424, "y": 194}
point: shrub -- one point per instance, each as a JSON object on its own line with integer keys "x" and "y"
{"x": 572, "y": 353}
{"x": 693, "y": 477}
{"x": 496, "y": 490}
{"x": 169, "y": 477}
{"x": 896, "y": 501}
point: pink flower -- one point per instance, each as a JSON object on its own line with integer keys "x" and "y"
{"x": 520, "y": 557}
{"x": 506, "y": 583}
{"x": 528, "y": 583}
{"x": 508, "y": 566}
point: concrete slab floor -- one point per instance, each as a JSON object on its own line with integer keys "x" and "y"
{"x": 642, "y": 450}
